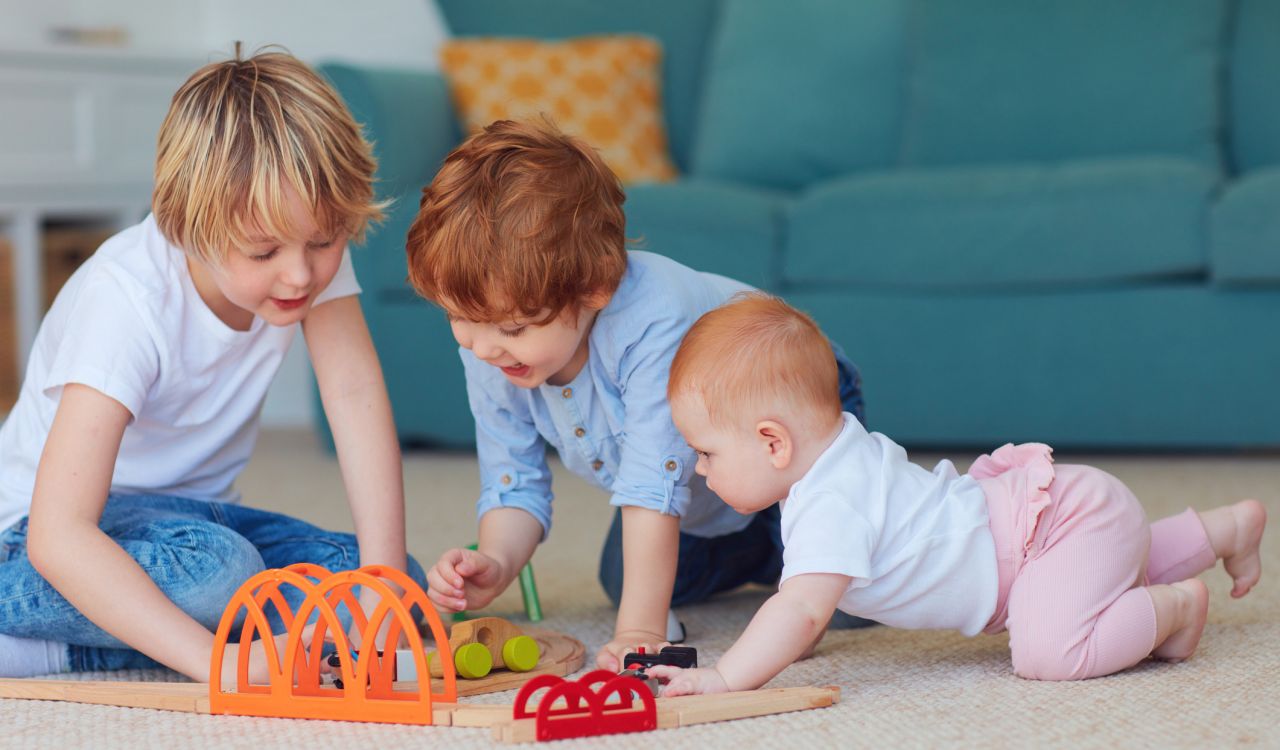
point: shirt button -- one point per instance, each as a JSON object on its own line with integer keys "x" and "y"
{"x": 579, "y": 432}
{"x": 506, "y": 479}
{"x": 567, "y": 393}
{"x": 596, "y": 464}
{"x": 671, "y": 466}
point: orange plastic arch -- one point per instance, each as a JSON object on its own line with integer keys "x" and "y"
{"x": 294, "y": 688}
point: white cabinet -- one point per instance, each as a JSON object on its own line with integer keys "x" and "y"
{"x": 77, "y": 141}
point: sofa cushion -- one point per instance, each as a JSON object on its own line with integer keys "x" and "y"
{"x": 994, "y": 226}
{"x": 605, "y": 89}
{"x": 721, "y": 228}
{"x": 683, "y": 27}
{"x": 1244, "y": 247}
{"x": 1047, "y": 80}
{"x": 802, "y": 90}
{"x": 1254, "y": 107}
{"x": 1125, "y": 366}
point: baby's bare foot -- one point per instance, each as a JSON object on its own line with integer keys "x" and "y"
{"x": 1244, "y": 564}
{"x": 1192, "y": 611}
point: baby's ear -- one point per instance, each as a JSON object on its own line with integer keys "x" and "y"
{"x": 775, "y": 438}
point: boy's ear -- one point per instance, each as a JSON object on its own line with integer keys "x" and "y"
{"x": 776, "y": 441}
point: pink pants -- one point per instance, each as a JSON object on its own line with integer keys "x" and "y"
{"x": 1075, "y": 554}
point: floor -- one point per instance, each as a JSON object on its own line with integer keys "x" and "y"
{"x": 901, "y": 689}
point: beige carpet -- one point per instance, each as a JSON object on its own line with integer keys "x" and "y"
{"x": 901, "y": 689}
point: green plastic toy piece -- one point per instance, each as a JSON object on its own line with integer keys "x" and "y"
{"x": 521, "y": 653}
{"x": 473, "y": 661}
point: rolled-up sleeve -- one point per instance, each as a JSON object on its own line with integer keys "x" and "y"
{"x": 512, "y": 454}
{"x": 655, "y": 463}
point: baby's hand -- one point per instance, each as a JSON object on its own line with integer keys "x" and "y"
{"x": 687, "y": 681}
{"x": 464, "y": 579}
{"x": 613, "y": 652}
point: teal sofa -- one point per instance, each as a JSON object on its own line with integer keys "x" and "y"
{"x": 1023, "y": 219}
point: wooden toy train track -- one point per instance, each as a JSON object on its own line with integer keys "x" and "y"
{"x": 598, "y": 703}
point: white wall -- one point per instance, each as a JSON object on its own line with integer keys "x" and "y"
{"x": 395, "y": 33}
{"x": 383, "y": 33}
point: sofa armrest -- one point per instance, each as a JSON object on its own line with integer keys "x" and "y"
{"x": 407, "y": 114}
{"x": 1244, "y": 247}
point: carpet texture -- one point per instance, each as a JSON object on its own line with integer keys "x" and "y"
{"x": 901, "y": 689}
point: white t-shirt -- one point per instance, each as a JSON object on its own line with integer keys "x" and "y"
{"x": 917, "y": 544}
{"x": 130, "y": 324}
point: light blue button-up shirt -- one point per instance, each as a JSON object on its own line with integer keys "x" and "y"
{"x": 611, "y": 425}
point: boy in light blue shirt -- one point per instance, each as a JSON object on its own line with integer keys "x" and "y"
{"x": 567, "y": 339}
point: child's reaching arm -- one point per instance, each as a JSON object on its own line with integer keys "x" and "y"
{"x": 364, "y": 433}
{"x": 515, "y": 497}
{"x": 92, "y": 571}
{"x": 784, "y": 628}
{"x": 355, "y": 401}
{"x": 650, "y": 549}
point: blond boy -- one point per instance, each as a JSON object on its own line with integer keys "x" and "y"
{"x": 123, "y": 537}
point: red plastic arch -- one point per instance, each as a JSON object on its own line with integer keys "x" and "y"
{"x": 585, "y": 711}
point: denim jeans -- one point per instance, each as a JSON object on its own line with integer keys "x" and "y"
{"x": 707, "y": 566}
{"x": 197, "y": 553}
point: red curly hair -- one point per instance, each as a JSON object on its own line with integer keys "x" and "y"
{"x": 522, "y": 221}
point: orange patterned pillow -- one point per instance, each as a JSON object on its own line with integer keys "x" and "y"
{"x": 603, "y": 89}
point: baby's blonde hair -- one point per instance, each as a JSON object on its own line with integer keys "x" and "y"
{"x": 757, "y": 357}
{"x": 238, "y": 134}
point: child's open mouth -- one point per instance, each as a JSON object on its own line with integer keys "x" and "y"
{"x": 289, "y": 304}
{"x": 516, "y": 371}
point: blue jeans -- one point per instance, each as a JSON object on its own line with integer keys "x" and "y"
{"x": 707, "y": 566}
{"x": 198, "y": 553}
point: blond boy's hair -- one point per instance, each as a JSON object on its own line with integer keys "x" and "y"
{"x": 238, "y": 136}
{"x": 522, "y": 221}
{"x": 755, "y": 358}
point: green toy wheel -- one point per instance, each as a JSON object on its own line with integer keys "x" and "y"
{"x": 521, "y": 653}
{"x": 473, "y": 661}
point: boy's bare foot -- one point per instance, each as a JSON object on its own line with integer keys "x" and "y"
{"x": 1244, "y": 564}
{"x": 1186, "y": 603}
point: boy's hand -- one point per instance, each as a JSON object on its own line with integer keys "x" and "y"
{"x": 611, "y": 655}
{"x": 687, "y": 681}
{"x": 465, "y": 579}
{"x": 258, "y": 665}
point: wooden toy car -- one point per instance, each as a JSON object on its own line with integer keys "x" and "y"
{"x": 488, "y": 643}
{"x": 478, "y": 646}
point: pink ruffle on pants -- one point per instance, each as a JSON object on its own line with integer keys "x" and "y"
{"x": 1075, "y": 554}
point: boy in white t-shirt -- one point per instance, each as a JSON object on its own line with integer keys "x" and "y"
{"x": 1061, "y": 556}
{"x": 121, "y": 536}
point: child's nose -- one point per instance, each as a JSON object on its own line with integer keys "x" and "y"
{"x": 298, "y": 273}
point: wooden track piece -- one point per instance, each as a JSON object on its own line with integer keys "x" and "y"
{"x": 190, "y": 697}
{"x": 702, "y": 709}
{"x": 561, "y": 655}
